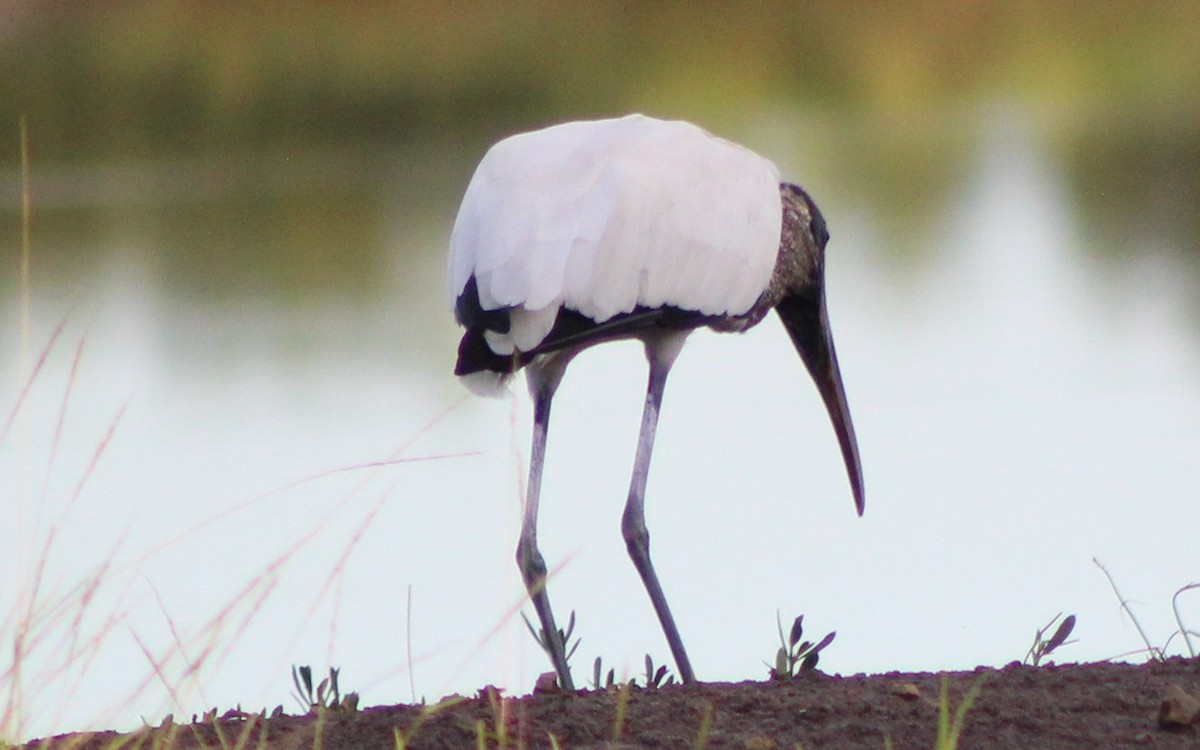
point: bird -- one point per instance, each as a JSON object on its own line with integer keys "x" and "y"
{"x": 637, "y": 228}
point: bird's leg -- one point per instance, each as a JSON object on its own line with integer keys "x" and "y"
{"x": 661, "y": 353}
{"x": 543, "y": 381}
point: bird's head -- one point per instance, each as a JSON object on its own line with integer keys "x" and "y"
{"x": 800, "y": 274}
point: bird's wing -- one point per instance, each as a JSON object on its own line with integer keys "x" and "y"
{"x": 694, "y": 224}
{"x": 574, "y": 329}
{"x": 571, "y": 329}
{"x": 604, "y": 217}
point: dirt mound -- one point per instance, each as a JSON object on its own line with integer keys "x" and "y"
{"x": 1084, "y": 706}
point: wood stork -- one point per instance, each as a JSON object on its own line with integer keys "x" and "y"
{"x": 630, "y": 228}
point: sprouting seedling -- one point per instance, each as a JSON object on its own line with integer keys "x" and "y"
{"x": 499, "y": 707}
{"x": 950, "y": 730}
{"x": 302, "y": 681}
{"x": 543, "y": 639}
{"x": 1043, "y": 646}
{"x": 796, "y": 655}
{"x": 656, "y": 678}
{"x": 600, "y": 679}
{"x": 325, "y": 695}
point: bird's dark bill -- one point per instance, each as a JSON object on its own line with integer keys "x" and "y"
{"x": 807, "y": 322}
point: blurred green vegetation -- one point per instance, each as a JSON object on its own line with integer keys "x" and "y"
{"x": 162, "y": 78}
{"x": 281, "y": 114}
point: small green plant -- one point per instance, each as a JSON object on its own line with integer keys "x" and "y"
{"x": 600, "y": 679}
{"x": 657, "y": 677}
{"x": 795, "y": 655}
{"x": 949, "y": 731}
{"x": 705, "y": 727}
{"x": 1043, "y": 646}
{"x": 543, "y": 640}
{"x": 498, "y": 735}
{"x": 622, "y": 711}
{"x": 326, "y": 695}
{"x": 404, "y": 736}
{"x": 251, "y": 721}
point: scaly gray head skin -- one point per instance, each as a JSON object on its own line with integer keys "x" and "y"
{"x": 797, "y": 292}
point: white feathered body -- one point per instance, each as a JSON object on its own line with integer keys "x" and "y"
{"x": 604, "y": 216}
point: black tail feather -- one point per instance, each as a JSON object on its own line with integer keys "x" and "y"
{"x": 571, "y": 330}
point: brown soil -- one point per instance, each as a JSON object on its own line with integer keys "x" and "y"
{"x": 1078, "y": 706}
